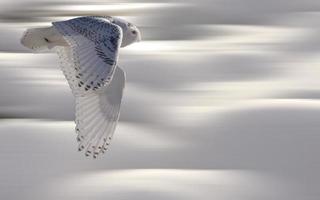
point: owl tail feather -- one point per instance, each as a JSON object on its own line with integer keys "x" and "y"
{"x": 37, "y": 39}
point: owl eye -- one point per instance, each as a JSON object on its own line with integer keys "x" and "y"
{"x": 134, "y": 32}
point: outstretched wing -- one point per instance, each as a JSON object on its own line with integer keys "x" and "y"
{"x": 91, "y": 59}
{"x": 89, "y": 64}
{"x": 97, "y": 115}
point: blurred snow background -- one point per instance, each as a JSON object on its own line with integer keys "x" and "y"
{"x": 222, "y": 102}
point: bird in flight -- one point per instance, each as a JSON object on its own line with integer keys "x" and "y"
{"x": 88, "y": 51}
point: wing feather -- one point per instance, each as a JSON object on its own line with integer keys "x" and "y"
{"x": 89, "y": 65}
{"x": 93, "y": 52}
{"x": 97, "y": 116}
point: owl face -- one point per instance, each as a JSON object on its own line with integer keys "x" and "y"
{"x": 130, "y": 33}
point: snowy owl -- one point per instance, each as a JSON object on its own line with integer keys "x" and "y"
{"x": 88, "y": 49}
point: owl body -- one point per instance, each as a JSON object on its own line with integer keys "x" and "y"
{"x": 41, "y": 39}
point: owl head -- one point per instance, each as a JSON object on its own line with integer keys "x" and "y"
{"x": 130, "y": 33}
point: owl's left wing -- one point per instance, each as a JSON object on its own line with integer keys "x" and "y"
{"x": 89, "y": 64}
{"x": 91, "y": 58}
{"x": 97, "y": 115}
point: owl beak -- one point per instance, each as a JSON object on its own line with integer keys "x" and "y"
{"x": 139, "y": 35}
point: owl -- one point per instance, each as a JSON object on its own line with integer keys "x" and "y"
{"x": 88, "y": 51}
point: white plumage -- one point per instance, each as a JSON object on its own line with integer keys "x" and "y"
{"x": 88, "y": 53}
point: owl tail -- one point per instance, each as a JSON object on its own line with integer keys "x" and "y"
{"x": 37, "y": 39}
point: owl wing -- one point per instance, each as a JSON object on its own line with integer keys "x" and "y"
{"x": 89, "y": 64}
{"x": 92, "y": 55}
{"x": 97, "y": 115}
